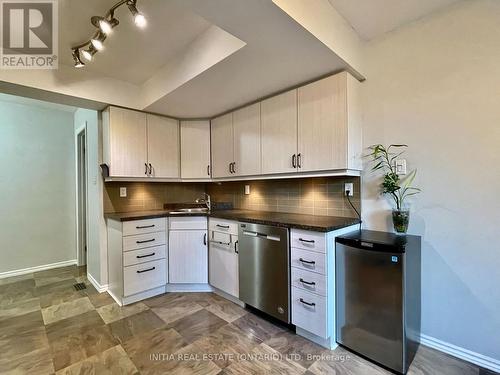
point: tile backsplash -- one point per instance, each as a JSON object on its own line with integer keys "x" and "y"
{"x": 148, "y": 195}
{"x": 314, "y": 196}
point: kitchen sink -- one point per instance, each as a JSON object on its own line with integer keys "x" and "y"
{"x": 197, "y": 210}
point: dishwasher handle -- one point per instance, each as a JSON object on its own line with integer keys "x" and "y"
{"x": 262, "y": 235}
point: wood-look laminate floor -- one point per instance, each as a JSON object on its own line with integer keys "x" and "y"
{"x": 47, "y": 327}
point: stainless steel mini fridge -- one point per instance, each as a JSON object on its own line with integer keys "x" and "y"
{"x": 378, "y": 296}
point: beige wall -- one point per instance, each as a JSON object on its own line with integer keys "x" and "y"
{"x": 435, "y": 85}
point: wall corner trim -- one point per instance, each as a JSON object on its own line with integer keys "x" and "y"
{"x": 44, "y": 267}
{"x": 100, "y": 288}
{"x": 461, "y": 353}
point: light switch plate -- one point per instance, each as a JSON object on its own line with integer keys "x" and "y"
{"x": 123, "y": 192}
{"x": 400, "y": 166}
{"x": 247, "y": 189}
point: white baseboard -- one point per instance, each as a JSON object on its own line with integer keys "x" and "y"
{"x": 100, "y": 288}
{"x": 44, "y": 267}
{"x": 180, "y": 288}
{"x": 461, "y": 353}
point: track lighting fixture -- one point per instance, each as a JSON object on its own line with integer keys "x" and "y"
{"x": 105, "y": 25}
{"x": 77, "y": 60}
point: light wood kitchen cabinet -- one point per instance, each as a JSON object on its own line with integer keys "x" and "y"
{"x": 222, "y": 145}
{"x": 329, "y": 135}
{"x": 188, "y": 250}
{"x": 140, "y": 145}
{"x": 195, "y": 149}
{"x": 279, "y": 133}
{"x": 247, "y": 139}
{"x": 163, "y": 147}
{"x": 125, "y": 142}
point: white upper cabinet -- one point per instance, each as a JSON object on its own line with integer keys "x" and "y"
{"x": 279, "y": 133}
{"x": 140, "y": 145}
{"x": 125, "y": 142}
{"x": 328, "y": 130}
{"x": 163, "y": 147}
{"x": 222, "y": 146}
{"x": 247, "y": 139}
{"x": 195, "y": 149}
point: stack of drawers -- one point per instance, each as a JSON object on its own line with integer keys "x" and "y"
{"x": 144, "y": 255}
{"x": 309, "y": 281}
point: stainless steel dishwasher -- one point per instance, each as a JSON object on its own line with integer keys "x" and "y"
{"x": 264, "y": 265}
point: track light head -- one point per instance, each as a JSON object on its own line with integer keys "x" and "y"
{"x": 89, "y": 53}
{"x": 97, "y": 41}
{"x": 77, "y": 60}
{"x": 139, "y": 18}
{"x": 102, "y": 24}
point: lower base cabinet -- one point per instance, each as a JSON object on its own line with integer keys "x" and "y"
{"x": 223, "y": 256}
{"x": 188, "y": 250}
{"x": 137, "y": 259}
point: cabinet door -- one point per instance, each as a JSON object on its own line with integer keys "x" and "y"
{"x": 188, "y": 256}
{"x": 195, "y": 149}
{"x": 223, "y": 271}
{"x": 246, "y": 128}
{"x": 163, "y": 146}
{"x": 127, "y": 142}
{"x": 323, "y": 124}
{"x": 279, "y": 133}
{"x": 222, "y": 145}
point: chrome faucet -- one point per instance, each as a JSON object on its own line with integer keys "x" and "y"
{"x": 205, "y": 200}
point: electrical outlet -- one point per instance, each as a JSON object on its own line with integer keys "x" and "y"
{"x": 349, "y": 187}
{"x": 247, "y": 189}
{"x": 123, "y": 192}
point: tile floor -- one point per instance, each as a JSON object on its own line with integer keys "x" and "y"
{"x": 47, "y": 327}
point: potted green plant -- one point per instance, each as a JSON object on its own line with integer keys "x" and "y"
{"x": 399, "y": 189}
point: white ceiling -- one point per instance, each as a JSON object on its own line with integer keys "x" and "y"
{"x": 130, "y": 54}
{"x": 372, "y": 18}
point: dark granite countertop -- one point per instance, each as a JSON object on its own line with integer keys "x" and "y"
{"x": 299, "y": 221}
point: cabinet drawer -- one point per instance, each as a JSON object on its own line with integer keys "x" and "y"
{"x": 308, "y": 260}
{"x": 191, "y": 222}
{"x": 303, "y": 239}
{"x": 142, "y": 241}
{"x": 309, "y": 312}
{"x": 224, "y": 226}
{"x": 145, "y": 276}
{"x": 131, "y": 228}
{"x": 144, "y": 255}
{"x": 310, "y": 281}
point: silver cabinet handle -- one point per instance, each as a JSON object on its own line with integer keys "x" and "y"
{"x": 230, "y": 169}
{"x": 205, "y": 239}
{"x": 222, "y": 226}
{"x": 234, "y": 167}
{"x": 149, "y": 269}
{"x": 146, "y": 171}
{"x": 208, "y": 170}
{"x": 299, "y": 160}
{"x": 150, "y": 169}
{"x": 236, "y": 247}
{"x": 294, "y": 161}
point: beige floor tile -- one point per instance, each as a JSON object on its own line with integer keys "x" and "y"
{"x": 226, "y": 310}
{"x": 113, "y": 312}
{"x": 66, "y": 310}
{"x": 37, "y": 362}
{"x": 110, "y": 361}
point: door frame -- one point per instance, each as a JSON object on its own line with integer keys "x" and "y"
{"x": 81, "y": 241}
